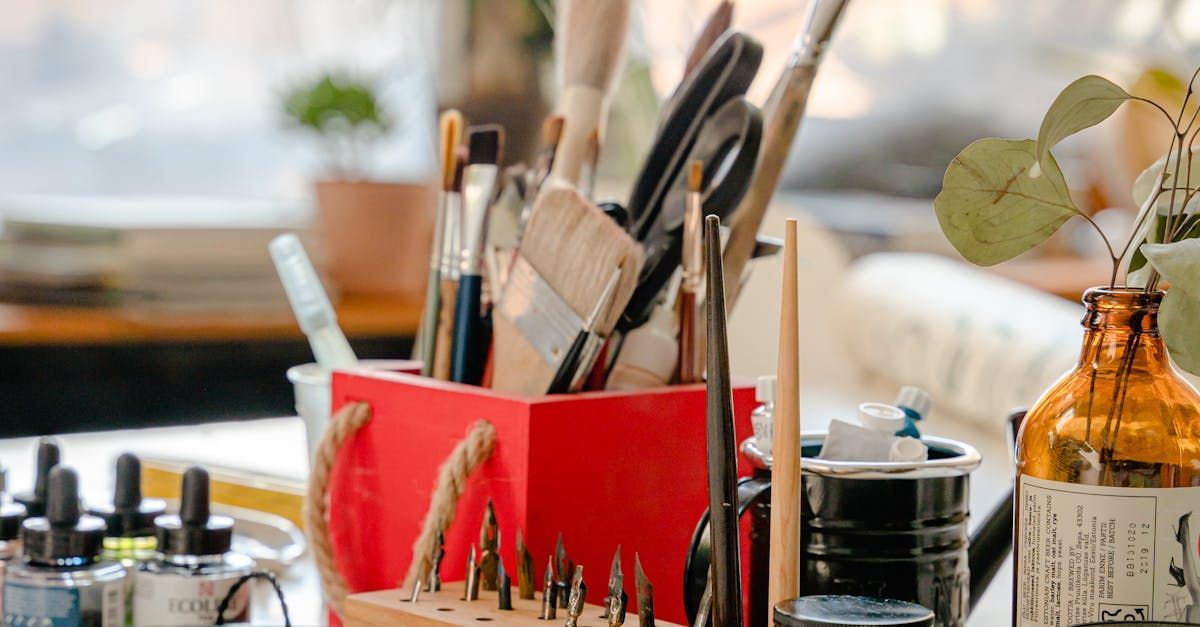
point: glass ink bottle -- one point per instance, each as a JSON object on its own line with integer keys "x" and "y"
{"x": 11, "y": 516}
{"x": 762, "y": 419}
{"x": 194, "y": 568}
{"x": 60, "y": 579}
{"x": 129, "y": 517}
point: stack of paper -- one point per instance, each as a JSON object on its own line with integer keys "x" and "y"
{"x": 172, "y": 252}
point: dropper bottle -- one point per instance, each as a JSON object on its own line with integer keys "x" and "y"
{"x": 61, "y": 579}
{"x": 11, "y": 516}
{"x": 762, "y": 419}
{"x": 129, "y": 517}
{"x": 194, "y": 568}
{"x": 47, "y": 458}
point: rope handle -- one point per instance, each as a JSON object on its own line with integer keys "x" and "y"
{"x": 452, "y": 478}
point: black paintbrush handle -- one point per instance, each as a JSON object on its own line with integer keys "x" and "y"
{"x": 466, "y": 365}
{"x": 722, "y": 449}
{"x": 566, "y": 369}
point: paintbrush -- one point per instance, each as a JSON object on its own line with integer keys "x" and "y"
{"x": 536, "y": 176}
{"x": 692, "y": 273}
{"x": 567, "y": 256}
{"x": 448, "y": 271}
{"x": 784, "y": 582}
{"x": 450, "y": 123}
{"x": 552, "y": 128}
{"x": 587, "y": 173}
{"x": 782, "y": 114}
{"x": 718, "y": 22}
{"x": 310, "y": 303}
{"x": 485, "y": 144}
{"x": 589, "y": 42}
{"x": 722, "y": 450}
{"x": 581, "y": 355}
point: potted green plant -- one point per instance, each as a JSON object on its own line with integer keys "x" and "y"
{"x": 374, "y": 236}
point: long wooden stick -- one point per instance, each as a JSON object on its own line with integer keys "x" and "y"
{"x": 785, "y": 468}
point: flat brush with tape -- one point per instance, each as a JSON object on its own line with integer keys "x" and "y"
{"x": 479, "y": 186}
{"x": 567, "y": 258}
{"x": 450, "y": 123}
{"x": 448, "y": 271}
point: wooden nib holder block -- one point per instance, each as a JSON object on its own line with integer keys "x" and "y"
{"x": 447, "y": 607}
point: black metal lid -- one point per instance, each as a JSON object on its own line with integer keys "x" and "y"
{"x": 194, "y": 531}
{"x": 849, "y": 611}
{"x": 129, "y": 515}
{"x": 63, "y": 534}
{"x": 11, "y": 516}
{"x": 47, "y": 458}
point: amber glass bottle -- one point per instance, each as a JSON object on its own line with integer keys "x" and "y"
{"x": 1108, "y": 469}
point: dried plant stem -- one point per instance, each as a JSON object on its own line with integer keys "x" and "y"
{"x": 1112, "y": 425}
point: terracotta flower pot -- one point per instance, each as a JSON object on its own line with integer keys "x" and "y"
{"x": 375, "y": 237}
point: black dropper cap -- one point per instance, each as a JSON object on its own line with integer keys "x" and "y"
{"x": 194, "y": 531}
{"x": 47, "y": 458}
{"x": 63, "y": 536}
{"x": 129, "y": 515}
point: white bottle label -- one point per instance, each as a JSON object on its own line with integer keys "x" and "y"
{"x": 170, "y": 599}
{"x": 1091, "y": 554}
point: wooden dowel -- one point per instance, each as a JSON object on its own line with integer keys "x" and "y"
{"x": 785, "y": 471}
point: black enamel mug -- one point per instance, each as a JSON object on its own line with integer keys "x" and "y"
{"x": 888, "y": 529}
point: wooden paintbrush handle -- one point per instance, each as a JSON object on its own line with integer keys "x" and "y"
{"x": 445, "y": 330}
{"x": 582, "y": 109}
{"x": 427, "y": 335}
{"x": 688, "y": 362}
{"x": 784, "y": 110}
{"x": 785, "y": 471}
{"x": 467, "y": 355}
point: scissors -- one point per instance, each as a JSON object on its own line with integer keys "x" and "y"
{"x": 709, "y": 120}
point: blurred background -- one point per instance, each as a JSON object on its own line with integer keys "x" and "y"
{"x": 149, "y": 150}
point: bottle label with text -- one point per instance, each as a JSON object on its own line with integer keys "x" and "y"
{"x": 172, "y": 599}
{"x": 1093, "y": 553}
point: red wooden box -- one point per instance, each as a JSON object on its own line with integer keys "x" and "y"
{"x": 604, "y": 468}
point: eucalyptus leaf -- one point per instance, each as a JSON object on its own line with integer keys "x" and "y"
{"x": 990, "y": 208}
{"x": 1144, "y": 186}
{"x": 1086, "y": 102}
{"x": 1177, "y": 262}
{"x": 1177, "y": 316}
{"x": 1189, "y": 230}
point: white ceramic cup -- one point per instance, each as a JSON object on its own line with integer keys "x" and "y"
{"x": 314, "y": 399}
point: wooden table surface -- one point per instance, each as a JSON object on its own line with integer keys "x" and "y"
{"x": 359, "y": 316}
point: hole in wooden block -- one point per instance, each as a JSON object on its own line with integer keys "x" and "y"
{"x": 483, "y": 619}
{"x": 445, "y": 609}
